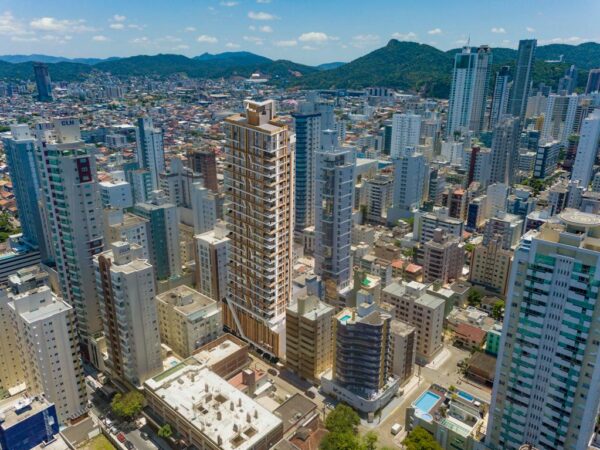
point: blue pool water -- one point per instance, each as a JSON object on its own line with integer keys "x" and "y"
{"x": 426, "y": 401}
{"x": 345, "y": 318}
{"x": 467, "y": 397}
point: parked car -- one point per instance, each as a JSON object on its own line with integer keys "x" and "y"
{"x": 396, "y": 428}
{"x": 121, "y": 437}
{"x": 129, "y": 445}
{"x": 144, "y": 435}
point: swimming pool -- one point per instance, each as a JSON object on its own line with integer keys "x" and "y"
{"x": 427, "y": 401}
{"x": 345, "y": 318}
{"x": 466, "y": 396}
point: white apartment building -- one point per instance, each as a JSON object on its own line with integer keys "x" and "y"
{"x": 47, "y": 342}
{"x": 406, "y": 132}
{"x": 212, "y": 258}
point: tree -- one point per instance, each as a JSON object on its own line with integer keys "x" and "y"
{"x": 474, "y": 297}
{"x": 165, "y": 431}
{"x": 340, "y": 441}
{"x": 127, "y": 406}
{"x": 342, "y": 419}
{"x": 420, "y": 439}
{"x": 369, "y": 441}
{"x": 498, "y": 310}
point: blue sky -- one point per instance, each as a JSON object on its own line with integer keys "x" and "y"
{"x": 306, "y": 31}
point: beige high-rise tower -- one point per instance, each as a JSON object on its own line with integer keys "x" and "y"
{"x": 259, "y": 181}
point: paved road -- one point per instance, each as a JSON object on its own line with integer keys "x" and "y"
{"x": 447, "y": 374}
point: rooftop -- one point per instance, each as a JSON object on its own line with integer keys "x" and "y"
{"x": 224, "y": 415}
{"x": 185, "y": 299}
{"x": 211, "y": 354}
{"x": 19, "y": 408}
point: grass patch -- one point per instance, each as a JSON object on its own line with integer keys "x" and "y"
{"x": 100, "y": 442}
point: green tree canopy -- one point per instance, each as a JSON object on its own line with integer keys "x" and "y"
{"x": 342, "y": 419}
{"x": 420, "y": 439}
{"x": 127, "y": 406}
{"x": 165, "y": 431}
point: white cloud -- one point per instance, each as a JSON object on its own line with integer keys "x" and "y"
{"x": 232, "y": 45}
{"x": 498, "y": 30}
{"x": 169, "y": 38}
{"x": 290, "y": 43}
{"x": 462, "y": 41}
{"x": 308, "y": 47}
{"x": 314, "y": 36}
{"x": 252, "y": 28}
{"x": 529, "y": 29}
{"x": 189, "y": 29}
{"x": 229, "y": 4}
{"x": 10, "y": 25}
{"x": 117, "y": 26}
{"x": 118, "y": 18}
{"x": 260, "y": 16}
{"x": 135, "y": 26}
{"x": 410, "y": 36}
{"x": 51, "y": 24}
{"x": 205, "y": 39}
{"x": 263, "y": 1}
{"x": 564, "y": 40}
{"x": 254, "y": 40}
{"x": 24, "y": 38}
{"x": 140, "y": 40}
{"x": 100, "y": 38}
{"x": 364, "y": 40}
{"x": 266, "y": 29}
{"x": 181, "y": 47}
{"x": 435, "y": 31}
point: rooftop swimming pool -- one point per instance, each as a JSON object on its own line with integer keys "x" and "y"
{"x": 466, "y": 396}
{"x": 426, "y": 401}
{"x": 345, "y": 318}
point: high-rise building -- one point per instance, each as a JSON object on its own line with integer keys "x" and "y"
{"x": 42, "y": 81}
{"x": 444, "y": 258}
{"x": 410, "y": 172}
{"x": 468, "y": 91}
{"x": 568, "y": 83}
{"x": 259, "y": 179}
{"x": 505, "y": 150}
{"x": 163, "y": 226}
{"x": 71, "y": 199}
{"x": 307, "y": 125}
{"x": 141, "y": 184}
{"x": 362, "y": 360}
{"x": 519, "y": 92}
{"x": 309, "y": 337}
{"x": 593, "y": 83}
{"x": 508, "y": 226}
{"x": 545, "y": 389}
{"x": 477, "y": 162}
{"x": 587, "y": 149}
{"x": 559, "y": 118}
{"x": 116, "y": 194}
{"x": 19, "y": 148}
{"x": 379, "y": 197}
{"x": 335, "y": 165}
{"x": 204, "y": 162}
{"x": 212, "y": 257}
{"x": 150, "y": 152}
{"x": 546, "y": 159}
{"x": 120, "y": 226}
{"x": 178, "y": 183}
{"x": 11, "y": 370}
{"x": 406, "y": 132}
{"x": 490, "y": 265}
{"x": 204, "y": 209}
{"x": 188, "y": 320}
{"x": 47, "y": 342}
{"x": 500, "y": 97}
{"x": 126, "y": 288}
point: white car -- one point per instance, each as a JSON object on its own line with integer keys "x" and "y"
{"x": 396, "y": 428}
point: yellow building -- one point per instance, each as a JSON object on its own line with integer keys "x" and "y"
{"x": 490, "y": 266}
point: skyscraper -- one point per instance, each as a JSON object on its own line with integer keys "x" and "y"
{"x": 19, "y": 148}
{"x": 505, "y": 150}
{"x": 545, "y": 389}
{"x": 519, "y": 93}
{"x": 150, "y": 151}
{"x": 568, "y": 82}
{"x": 500, "y": 97}
{"x": 406, "y": 131}
{"x": 42, "y": 81}
{"x": 126, "y": 289}
{"x": 559, "y": 118}
{"x": 333, "y": 214}
{"x": 587, "y": 150}
{"x": 204, "y": 162}
{"x": 307, "y": 124}
{"x": 410, "y": 170}
{"x": 73, "y": 208}
{"x": 593, "y": 83}
{"x": 259, "y": 178}
{"x": 468, "y": 91}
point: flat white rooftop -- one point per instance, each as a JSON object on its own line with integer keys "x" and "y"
{"x": 226, "y": 416}
{"x": 215, "y": 354}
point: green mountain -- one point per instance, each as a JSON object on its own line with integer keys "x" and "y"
{"x": 234, "y": 59}
{"x": 331, "y": 65}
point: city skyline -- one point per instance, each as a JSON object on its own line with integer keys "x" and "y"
{"x": 281, "y": 29}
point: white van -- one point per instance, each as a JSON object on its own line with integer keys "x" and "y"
{"x": 396, "y": 428}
